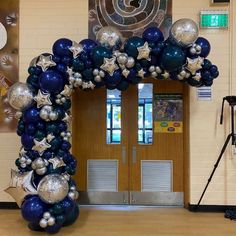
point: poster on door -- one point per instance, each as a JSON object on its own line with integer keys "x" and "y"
{"x": 9, "y": 48}
{"x": 130, "y": 17}
{"x": 168, "y": 113}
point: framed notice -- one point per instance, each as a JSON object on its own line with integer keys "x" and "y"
{"x": 168, "y": 113}
{"x": 9, "y": 52}
{"x": 130, "y": 17}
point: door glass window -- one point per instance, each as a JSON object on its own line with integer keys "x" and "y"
{"x": 145, "y": 122}
{"x": 113, "y": 116}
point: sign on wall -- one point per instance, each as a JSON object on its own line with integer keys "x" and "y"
{"x": 9, "y": 52}
{"x": 131, "y": 17}
{"x": 168, "y": 113}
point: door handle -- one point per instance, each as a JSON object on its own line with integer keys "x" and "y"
{"x": 123, "y": 154}
{"x": 134, "y": 154}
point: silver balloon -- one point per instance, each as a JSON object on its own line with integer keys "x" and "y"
{"x": 51, "y": 221}
{"x": 33, "y": 61}
{"x": 53, "y": 188}
{"x": 20, "y": 96}
{"x": 122, "y": 58}
{"x": 130, "y": 63}
{"x": 43, "y": 223}
{"x": 184, "y": 32}
{"x": 109, "y": 37}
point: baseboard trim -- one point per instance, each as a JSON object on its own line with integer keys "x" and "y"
{"x": 210, "y": 208}
{"x": 8, "y": 205}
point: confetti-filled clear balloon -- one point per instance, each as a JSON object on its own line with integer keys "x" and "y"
{"x": 184, "y": 32}
{"x": 53, "y": 188}
{"x": 109, "y": 37}
{"x": 20, "y": 96}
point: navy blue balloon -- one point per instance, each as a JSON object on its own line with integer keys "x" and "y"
{"x": 213, "y": 69}
{"x": 32, "y": 209}
{"x": 72, "y": 216}
{"x": 88, "y": 45}
{"x": 30, "y": 128}
{"x": 172, "y": 58}
{"x": 35, "y": 227}
{"x": 205, "y": 74}
{"x": 27, "y": 141}
{"x": 153, "y": 35}
{"x": 123, "y": 85}
{"x": 132, "y": 75}
{"x": 132, "y": 44}
{"x": 65, "y": 146}
{"x": 62, "y": 126}
{"x": 53, "y": 229}
{"x": 205, "y": 45}
{"x": 67, "y": 205}
{"x": 98, "y": 55}
{"x": 51, "y": 82}
{"x": 61, "y": 47}
{"x": 113, "y": 80}
{"x": 61, "y": 67}
{"x": 31, "y": 115}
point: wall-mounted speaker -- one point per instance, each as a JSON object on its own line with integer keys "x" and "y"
{"x": 220, "y": 1}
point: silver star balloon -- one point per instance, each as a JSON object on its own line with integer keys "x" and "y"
{"x": 20, "y": 186}
{"x": 197, "y": 76}
{"x": 91, "y": 85}
{"x": 42, "y": 99}
{"x": 41, "y": 146}
{"x": 141, "y": 73}
{"x": 56, "y": 162}
{"x": 76, "y": 49}
{"x": 109, "y": 65}
{"x": 165, "y": 75}
{"x": 45, "y": 62}
{"x": 67, "y": 91}
{"x": 50, "y": 137}
{"x": 67, "y": 118}
{"x": 85, "y": 85}
{"x": 194, "y": 64}
{"x": 22, "y": 151}
{"x": 125, "y": 73}
{"x": 144, "y": 51}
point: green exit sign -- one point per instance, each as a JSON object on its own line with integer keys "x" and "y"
{"x": 214, "y": 19}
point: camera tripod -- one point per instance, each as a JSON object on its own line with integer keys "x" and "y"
{"x": 232, "y": 102}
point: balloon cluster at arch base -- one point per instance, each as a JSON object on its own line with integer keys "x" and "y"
{"x": 42, "y": 185}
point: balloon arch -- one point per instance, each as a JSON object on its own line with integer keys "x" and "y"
{"x": 42, "y": 186}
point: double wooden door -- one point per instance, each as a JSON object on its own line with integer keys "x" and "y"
{"x": 127, "y": 172}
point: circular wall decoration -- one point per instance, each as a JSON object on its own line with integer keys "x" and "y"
{"x": 3, "y": 36}
{"x": 42, "y": 186}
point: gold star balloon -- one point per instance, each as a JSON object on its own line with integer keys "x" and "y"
{"x": 109, "y": 65}
{"x": 144, "y": 52}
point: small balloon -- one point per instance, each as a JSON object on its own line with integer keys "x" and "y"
{"x": 205, "y": 46}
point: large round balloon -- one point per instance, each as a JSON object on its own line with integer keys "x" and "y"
{"x": 205, "y": 46}
{"x": 20, "y": 96}
{"x": 98, "y": 55}
{"x": 72, "y": 216}
{"x": 109, "y": 37}
{"x": 153, "y": 35}
{"x": 61, "y": 47}
{"x": 132, "y": 44}
{"x": 51, "y": 82}
{"x": 32, "y": 209}
{"x": 88, "y": 45}
{"x": 114, "y": 79}
{"x": 53, "y": 188}
{"x": 27, "y": 141}
{"x": 31, "y": 115}
{"x": 172, "y": 58}
{"x": 184, "y": 32}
